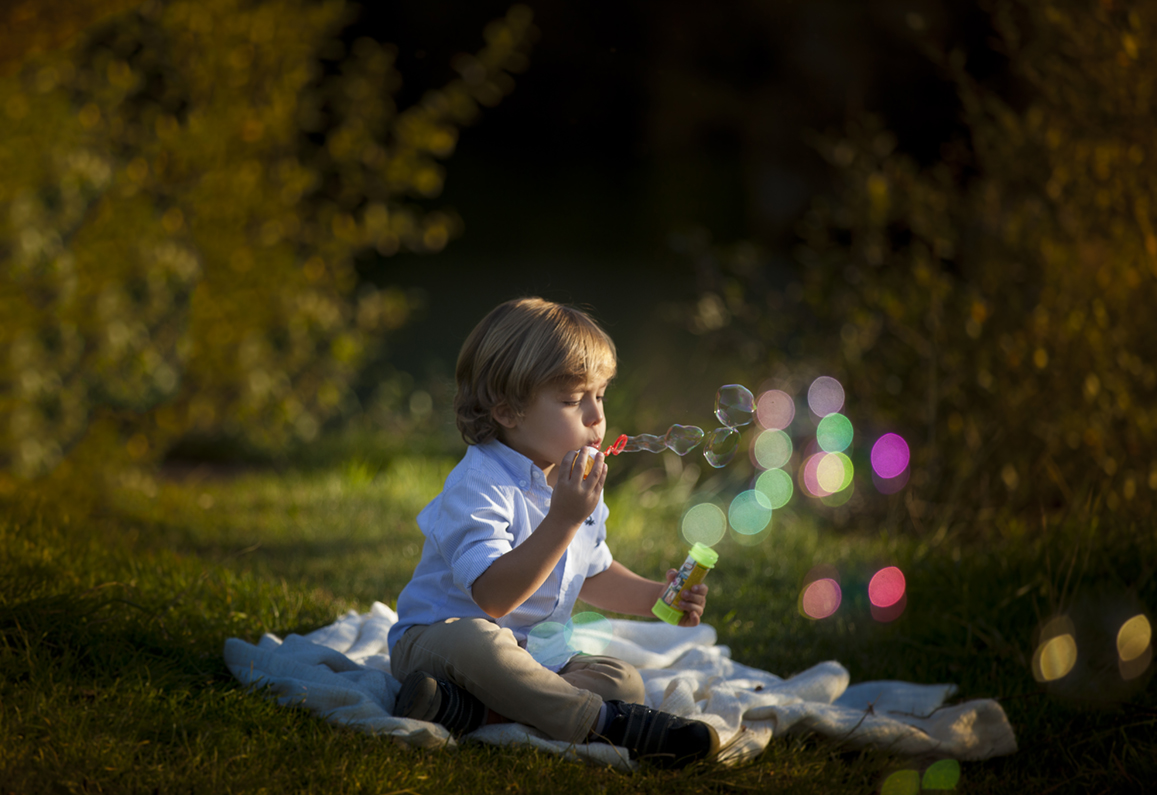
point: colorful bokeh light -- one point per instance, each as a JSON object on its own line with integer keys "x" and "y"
{"x": 589, "y": 633}
{"x": 902, "y": 782}
{"x": 776, "y": 485}
{"x": 825, "y": 396}
{"x": 705, "y": 523}
{"x": 1056, "y": 653}
{"x": 890, "y": 456}
{"x": 750, "y": 512}
{"x": 834, "y": 433}
{"x": 820, "y": 598}
{"x": 774, "y": 410}
{"x": 886, "y": 587}
{"x": 942, "y": 775}
{"x": 771, "y": 449}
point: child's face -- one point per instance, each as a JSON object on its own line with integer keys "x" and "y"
{"x": 558, "y": 420}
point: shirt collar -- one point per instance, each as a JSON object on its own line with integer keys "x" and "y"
{"x": 519, "y": 466}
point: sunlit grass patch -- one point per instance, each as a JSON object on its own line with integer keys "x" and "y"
{"x": 111, "y": 630}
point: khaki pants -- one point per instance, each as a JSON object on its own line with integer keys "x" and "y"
{"x": 487, "y": 661}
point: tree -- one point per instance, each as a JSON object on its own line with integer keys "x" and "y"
{"x": 996, "y": 306}
{"x": 185, "y": 188}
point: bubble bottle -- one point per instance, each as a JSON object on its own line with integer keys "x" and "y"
{"x": 700, "y": 560}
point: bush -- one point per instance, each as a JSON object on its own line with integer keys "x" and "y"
{"x": 995, "y": 307}
{"x": 185, "y": 190}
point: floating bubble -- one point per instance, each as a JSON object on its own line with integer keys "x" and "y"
{"x": 834, "y": 433}
{"x": 721, "y": 446}
{"x": 645, "y": 441}
{"x": 682, "y": 439}
{"x": 775, "y": 410}
{"x": 589, "y": 633}
{"x": 750, "y": 512}
{"x": 820, "y": 598}
{"x": 886, "y": 587}
{"x": 825, "y": 396}
{"x": 1134, "y": 637}
{"x": 775, "y": 484}
{"x": 944, "y": 774}
{"x": 734, "y": 405}
{"x": 548, "y": 643}
{"x": 771, "y": 449}
{"x": 704, "y": 523}
{"x": 890, "y": 456}
{"x": 1056, "y": 653}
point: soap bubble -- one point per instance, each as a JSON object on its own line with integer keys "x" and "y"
{"x": 721, "y": 446}
{"x": 890, "y": 456}
{"x": 589, "y": 633}
{"x": 645, "y": 441}
{"x": 704, "y": 523}
{"x": 734, "y": 405}
{"x": 771, "y": 449}
{"x": 775, "y": 410}
{"x": 834, "y": 433}
{"x": 820, "y": 598}
{"x": 825, "y": 396}
{"x": 682, "y": 439}
{"x": 775, "y": 484}
{"x": 750, "y": 512}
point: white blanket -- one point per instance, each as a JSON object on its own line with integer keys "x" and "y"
{"x": 342, "y": 673}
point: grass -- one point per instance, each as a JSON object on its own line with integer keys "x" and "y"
{"x": 112, "y": 625}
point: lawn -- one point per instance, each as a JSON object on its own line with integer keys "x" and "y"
{"x": 112, "y": 625}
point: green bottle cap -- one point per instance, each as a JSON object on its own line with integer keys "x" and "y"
{"x": 667, "y": 613}
{"x": 704, "y": 555}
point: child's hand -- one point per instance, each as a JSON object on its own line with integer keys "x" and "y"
{"x": 692, "y": 601}
{"x": 576, "y": 498}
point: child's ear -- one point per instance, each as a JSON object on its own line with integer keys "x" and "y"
{"x": 504, "y": 415}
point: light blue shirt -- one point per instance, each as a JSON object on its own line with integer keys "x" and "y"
{"x": 492, "y": 501}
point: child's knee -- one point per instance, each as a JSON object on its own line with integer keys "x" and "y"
{"x": 628, "y": 683}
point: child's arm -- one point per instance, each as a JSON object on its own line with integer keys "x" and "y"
{"x": 511, "y": 579}
{"x": 621, "y": 590}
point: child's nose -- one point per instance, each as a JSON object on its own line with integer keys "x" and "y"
{"x": 594, "y": 414}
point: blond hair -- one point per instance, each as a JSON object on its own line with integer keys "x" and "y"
{"x": 516, "y": 350}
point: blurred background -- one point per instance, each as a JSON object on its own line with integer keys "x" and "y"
{"x": 233, "y": 229}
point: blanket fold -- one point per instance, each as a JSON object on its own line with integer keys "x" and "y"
{"x": 341, "y": 673}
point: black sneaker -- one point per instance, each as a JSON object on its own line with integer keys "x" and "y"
{"x": 661, "y": 738}
{"x": 423, "y": 697}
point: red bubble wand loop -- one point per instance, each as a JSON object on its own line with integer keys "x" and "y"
{"x": 617, "y": 446}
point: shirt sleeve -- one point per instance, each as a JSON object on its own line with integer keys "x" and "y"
{"x": 473, "y": 529}
{"x": 600, "y": 558}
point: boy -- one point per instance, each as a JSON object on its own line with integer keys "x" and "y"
{"x": 516, "y": 536}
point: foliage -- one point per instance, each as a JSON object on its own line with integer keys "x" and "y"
{"x": 111, "y": 629}
{"x": 185, "y": 189}
{"x": 994, "y": 307}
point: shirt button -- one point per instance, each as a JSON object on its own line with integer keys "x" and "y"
{"x": 522, "y": 483}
